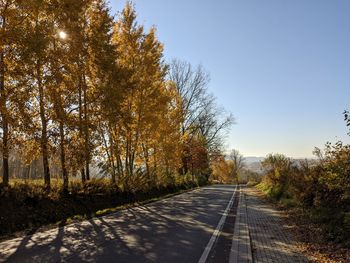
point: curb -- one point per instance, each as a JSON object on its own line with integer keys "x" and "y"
{"x": 241, "y": 250}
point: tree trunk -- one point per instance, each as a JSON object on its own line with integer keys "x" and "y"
{"x": 109, "y": 152}
{"x": 127, "y": 157}
{"x": 148, "y": 172}
{"x": 63, "y": 159}
{"x": 86, "y": 133}
{"x": 5, "y": 150}
{"x": 112, "y": 157}
{"x": 120, "y": 167}
{"x": 155, "y": 165}
{"x": 44, "y": 141}
{"x": 82, "y": 171}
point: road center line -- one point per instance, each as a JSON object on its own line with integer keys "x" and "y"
{"x": 217, "y": 231}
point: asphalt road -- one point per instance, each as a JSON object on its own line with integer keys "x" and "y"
{"x": 176, "y": 229}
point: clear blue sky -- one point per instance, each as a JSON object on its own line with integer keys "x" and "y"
{"x": 281, "y": 67}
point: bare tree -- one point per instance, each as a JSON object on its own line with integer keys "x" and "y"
{"x": 213, "y": 124}
{"x": 238, "y": 163}
{"x": 200, "y": 114}
{"x": 191, "y": 83}
{"x": 347, "y": 119}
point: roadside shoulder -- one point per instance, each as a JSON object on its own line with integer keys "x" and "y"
{"x": 272, "y": 240}
{"x": 306, "y": 234}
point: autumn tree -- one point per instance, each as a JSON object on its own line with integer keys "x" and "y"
{"x": 72, "y": 19}
{"x": 277, "y": 168}
{"x": 88, "y": 89}
{"x": 146, "y": 102}
{"x": 167, "y": 139}
{"x": 228, "y": 168}
{"x": 222, "y": 169}
{"x": 8, "y": 47}
{"x": 127, "y": 38}
{"x": 102, "y": 97}
{"x": 39, "y": 32}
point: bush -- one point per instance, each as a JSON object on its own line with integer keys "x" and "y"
{"x": 25, "y": 205}
{"x": 322, "y": 186}
{"x": 252, "y": 183}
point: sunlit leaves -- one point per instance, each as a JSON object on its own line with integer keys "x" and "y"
{"x": 85, "y": 88}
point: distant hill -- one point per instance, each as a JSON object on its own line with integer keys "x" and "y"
{"x": 253, "y": 163}
{"x": 253, "y": 159}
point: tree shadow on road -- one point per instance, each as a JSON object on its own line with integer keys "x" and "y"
{"x": 172, "y": 230}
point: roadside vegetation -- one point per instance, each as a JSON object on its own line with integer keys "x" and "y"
{"x": 28, "y": 206}
{"x": 317, "y": 193}
{"x": 232, "y": 169}
{"x": 92, "y": 116}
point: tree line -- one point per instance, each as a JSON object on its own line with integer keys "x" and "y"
{"x": 81, "y": 88}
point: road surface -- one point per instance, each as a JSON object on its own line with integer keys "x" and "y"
{"x": 177, "y": 229}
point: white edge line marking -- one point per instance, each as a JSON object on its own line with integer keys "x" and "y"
{"x": 217, "y": 231}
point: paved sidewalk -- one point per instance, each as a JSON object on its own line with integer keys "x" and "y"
{"x": 241, "y": 251}
{"x": 270, "y": 240}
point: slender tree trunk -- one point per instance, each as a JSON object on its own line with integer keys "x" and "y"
{"x": 86, "y": 133}
{"x": 44, "y": 140}
{"x": 87, "y": 168}
{"x": 127, "y": 165}
{"x": 132, "y": 161}
{"x": 82, "y": 171}
{"x": 5, "y": 150}
{"x": 63, "y": 158}
{"x": 109, "y": 152}
{"x": 3, "y": 110}
{"x": 127, "y": 157}
{"x": 30, "y": 172}
{"x": 112, "y": 157}
{"x": 148, "y": 172}
{"x": 155, "y": 165}
{"x": 120, "y": 167}
{"x": 113, "y": 168}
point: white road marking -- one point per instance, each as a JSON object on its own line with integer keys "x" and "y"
{"x": 217, "y": 231}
